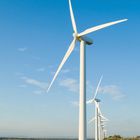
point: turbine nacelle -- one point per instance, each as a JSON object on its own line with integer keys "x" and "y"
{"x": 97, "y": 100}
{"x": 86, "y": 39}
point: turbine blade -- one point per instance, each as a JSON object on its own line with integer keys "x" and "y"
{"x": 100, "y": 113}
{"x": 104, "y": 119}
{"x": 96, "y": 92}
{"x": 103, "y": 123}
{"x": 93, "y": 119}
{"x": 90, "y": 101}
{"x": 69, "y": 51}
{"x": 99, "y": 27}
{"x": 72, "y": 17}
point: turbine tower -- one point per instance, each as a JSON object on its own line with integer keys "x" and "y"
{"x": 99, "y": 118}
{"x": 84, "y": 40}
{"x": 99, "y": 122}
{"x": 103, "y": 121}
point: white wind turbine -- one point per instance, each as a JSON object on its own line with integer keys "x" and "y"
{"x": 81, "y": 37}
{"x": 103, "y": 130}
{"x": 102, "y": 121}
{"x": 99, "y": 118}
{"x": 104, "y": 133}
{"x": 101, "y": 127}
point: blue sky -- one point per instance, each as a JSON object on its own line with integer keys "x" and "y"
{"x": 34, "y": 36}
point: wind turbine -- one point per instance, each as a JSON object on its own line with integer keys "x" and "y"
{"x": 103, "y": 130}
{"x": 105, "y": 133}
{"x": 98, "y": 115}
{"x": 84, "y": 40}
{"x": 100, "y": 121}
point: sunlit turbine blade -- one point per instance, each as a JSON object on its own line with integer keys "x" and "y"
{"x": 104, "y": 118}
{"x": 93, "y": 119}
{"x": 99, "y": 27}
{"x": 96, "y": 92}
{"x": 90, "y": 101}
{"x": 69, "y": 51}
{"x": 103, "y": 123}
{"x": 72, "y": 17}
{"x": 103, "y": 126}
{"x": 101, "y": 115}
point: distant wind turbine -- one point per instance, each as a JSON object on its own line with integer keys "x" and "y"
{"x": 95, "y": 101}
{"x": 99, "y": 118}
{"x": 101, "y": 122}
{"x": 84, "y": 40}
{"x": 101, "y": 131}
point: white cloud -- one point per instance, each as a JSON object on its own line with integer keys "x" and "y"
{"x": 19, "y": 74}
{"x": 23, "y": 86}
{"x": 22, "y": 49}
{"x": 113, "y": 90}
{"x": 70, "y": 84}
{"x": 51, "y": 66}
{"x": 75, "y": 103}
{"x": 38, "y": 92}
{"x": 36, "y": 58}
{"x": 40, "y": 69}
{"x": 73, "y": 86}
{"x": 64, "y": 71}
{"x": 34, "y": 82}
{"x": 52, "y": 73}
{"x": 89, "y": 88}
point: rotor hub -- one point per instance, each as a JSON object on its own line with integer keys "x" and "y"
{"x": 97, "y": 100}
{"x": 75, "y": 35}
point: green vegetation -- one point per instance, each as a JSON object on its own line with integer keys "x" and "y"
{"x": 115, "y": 137}
{"x": 118, "y": 137}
